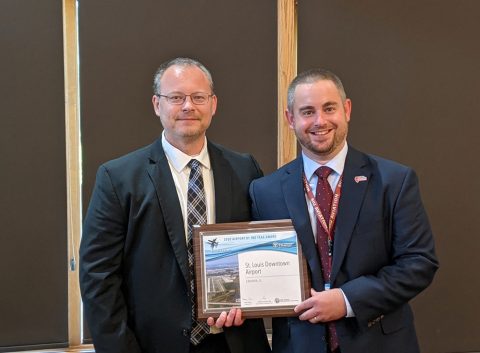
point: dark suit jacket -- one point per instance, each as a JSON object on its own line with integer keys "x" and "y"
{"x": 383, "y": 253}
{"x": 133, "y": 258}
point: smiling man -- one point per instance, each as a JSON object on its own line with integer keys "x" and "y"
{"x": 362, "y": 226}
{"x": 136, "y": 260}
{"x": 320, "y": 118}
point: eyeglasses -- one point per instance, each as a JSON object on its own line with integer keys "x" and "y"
{"x": 198, "y": 98}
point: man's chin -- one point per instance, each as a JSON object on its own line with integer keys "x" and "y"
{"x": 191, "y": 134}
{"x": 321, "y": 150}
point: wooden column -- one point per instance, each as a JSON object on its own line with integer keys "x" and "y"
{"x": 72, "y": 133}
{"x": 287, "y": 69}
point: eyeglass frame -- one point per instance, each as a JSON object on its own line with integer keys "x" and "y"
{"x": 168, "y": 97}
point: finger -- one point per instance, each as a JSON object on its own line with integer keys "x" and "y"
{"x": 230, "y": 317}
{"x": 308, "y": 303}
{"x": 299, "y": 308}
{"x": 314, "y": 320}
{"x": 305, "y": 305}
{"x": 308, "y": 315}
{"x": 221, "y": 320}
{"x": 210, "y": 321}
{"x": 238, "y": 318}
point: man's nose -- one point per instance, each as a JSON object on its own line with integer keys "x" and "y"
{"x": 188, "y": 104}
{"x": 320, "y": 119}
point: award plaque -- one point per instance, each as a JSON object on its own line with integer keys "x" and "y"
{"x": 255, "y": 266}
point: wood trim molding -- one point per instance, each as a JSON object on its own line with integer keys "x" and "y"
{"x": 86, "y": 348}
{"x": 72, "y": 138}
{"x": 287, "y": 69}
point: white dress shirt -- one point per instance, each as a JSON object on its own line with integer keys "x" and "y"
{"x": 337, "y": 163}
{"x": 178, "y": 162}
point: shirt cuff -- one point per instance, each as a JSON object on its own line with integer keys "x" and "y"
{"x": 350, "y": 312}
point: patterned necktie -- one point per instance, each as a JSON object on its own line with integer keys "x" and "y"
{"x": 196, "y": 214}
{"x": 324, "y": 197}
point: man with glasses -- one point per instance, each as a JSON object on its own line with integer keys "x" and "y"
{"x": 136, "y": 270}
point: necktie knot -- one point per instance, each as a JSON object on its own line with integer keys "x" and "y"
{"x": 194, "y": 164}
{"x": 323, "y": 172}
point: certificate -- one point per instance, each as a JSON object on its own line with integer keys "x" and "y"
{"x": 255, "y": 266}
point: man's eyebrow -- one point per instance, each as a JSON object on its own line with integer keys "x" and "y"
{"x": 329, "y": 104}
{"x": 306, "y": 107}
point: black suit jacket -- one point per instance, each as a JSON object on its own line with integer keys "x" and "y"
{"x": 383, "y": 253}
{"x": 133, "y": 258}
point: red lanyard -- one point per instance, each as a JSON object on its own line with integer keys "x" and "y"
{"x": 333, "y": 212}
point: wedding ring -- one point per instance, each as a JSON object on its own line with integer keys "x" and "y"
{"x": 315, "y": 319}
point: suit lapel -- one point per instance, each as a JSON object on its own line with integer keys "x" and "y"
{"x": 353, "y": 193}
{"x": 222, "y": 176}
{"x": 161, "y": 176}
{"x": 292, "y": 187}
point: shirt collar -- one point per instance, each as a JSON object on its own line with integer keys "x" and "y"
{"x": 337, "y": 163}
{"x": 179, "y": 160}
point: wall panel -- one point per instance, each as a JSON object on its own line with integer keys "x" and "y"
{"x": 33, "y": 250}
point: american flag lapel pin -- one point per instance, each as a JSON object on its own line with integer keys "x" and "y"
{"x": 360, "y": 178}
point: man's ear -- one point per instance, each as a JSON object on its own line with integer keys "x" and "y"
{"x": 155, "y": 102}
{"x": 347, "y": 106}
{"x": 290, "y": 119}
{"x": 214, "y": 104}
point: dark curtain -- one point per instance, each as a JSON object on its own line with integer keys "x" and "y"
{"x": 33, "y": 250}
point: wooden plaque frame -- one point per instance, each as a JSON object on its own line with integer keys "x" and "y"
{"x": 225, "y": 229}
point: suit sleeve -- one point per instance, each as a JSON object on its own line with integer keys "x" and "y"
{"x": 255, "y": 214}
{"x": 101, "y": 253}
{"x": 258, "y": 173}
{"x": 412, "y": 265}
